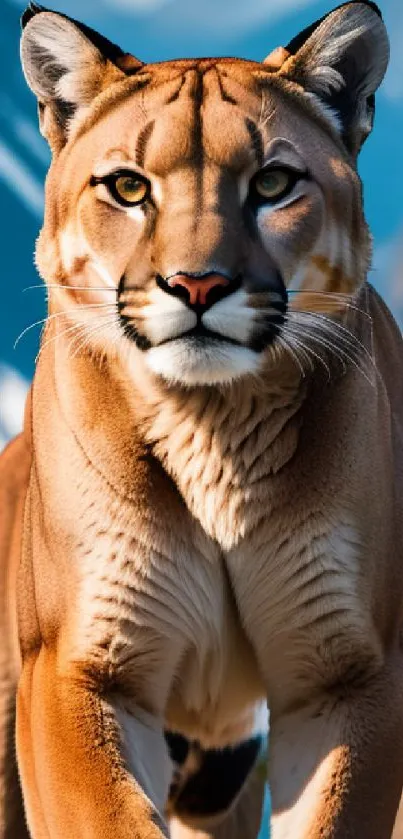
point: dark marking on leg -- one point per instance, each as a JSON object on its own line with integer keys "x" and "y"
{"x": 211, "y": 787}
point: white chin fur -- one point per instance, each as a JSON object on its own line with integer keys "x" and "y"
{"x": 189, "y": 362}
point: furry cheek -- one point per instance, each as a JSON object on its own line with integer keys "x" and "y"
{"x": 110, "y": 233}
{"x": 290, "y": 233}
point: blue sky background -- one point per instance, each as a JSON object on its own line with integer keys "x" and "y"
{"x": 155, "y": 30}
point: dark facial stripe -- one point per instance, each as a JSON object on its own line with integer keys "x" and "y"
{"x": 256, "y": 140}
{"x": 142, "y": 141}
{"x": 114, "y": 98}
{"x": 226, "y": 97}
{"x": 197, "y": 125}
{"x": 197, "y": 144}
{"x": 176, "y": 94}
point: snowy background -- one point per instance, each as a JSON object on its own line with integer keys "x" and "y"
{"x": 161, "y": 29}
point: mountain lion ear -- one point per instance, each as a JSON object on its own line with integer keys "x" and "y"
{"x": 342, "y": 60}
{"x": 66, "y": 65}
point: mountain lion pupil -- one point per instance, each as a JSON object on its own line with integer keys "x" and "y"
{"x": 272, "y": 184}
{"x": 130, "y": 189}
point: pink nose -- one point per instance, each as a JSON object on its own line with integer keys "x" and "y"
{"x": 198, "y": 287}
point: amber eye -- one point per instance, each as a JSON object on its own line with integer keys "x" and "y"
{"x": 130, "y": 189}
{"x": 126, "y": 188}
{"x": 273, "y": 184}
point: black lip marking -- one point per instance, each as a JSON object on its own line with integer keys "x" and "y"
{"x": 266, "y": 331}
{"x": 133, "y": 334}
{"x": 203, "y": 336}
{"x": 129, "y": 329}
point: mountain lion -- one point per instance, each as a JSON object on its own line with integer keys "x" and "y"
{"x": 205, "y": 509}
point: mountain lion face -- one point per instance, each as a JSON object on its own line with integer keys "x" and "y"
{"x": 204, "y": 212}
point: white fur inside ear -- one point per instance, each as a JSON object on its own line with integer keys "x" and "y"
{"x": 324, "y": 77}
{"x": 58, "y": 60}
{"x": 63, "y": 40}
{"x": 352, "y": 33}
{"x": 327, "y": 112}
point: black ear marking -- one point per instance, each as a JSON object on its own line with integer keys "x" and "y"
{"x": 341, "y": 59}
{"x": 300, "y": 39}
{"x": 109, "y": 50}
{"x": 30, "y": 12}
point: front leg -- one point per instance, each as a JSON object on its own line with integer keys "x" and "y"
{"x": 72, "y": 740}
{"x": 336, "y": 760}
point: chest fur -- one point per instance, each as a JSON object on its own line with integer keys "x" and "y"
{"x": 222, "y": 458}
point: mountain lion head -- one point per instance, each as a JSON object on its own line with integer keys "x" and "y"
{"x": 203, "y": 213}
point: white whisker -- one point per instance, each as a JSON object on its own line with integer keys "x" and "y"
{"x": 304, "y": 351}
{"x": 87, "y": 334}
{"x": 27, "y": 329}
{"x": 296, "y": 336}
{"x": 75, "y": 327}
{"x": 286, "y": 343}
{"x": 336, "y": 296}
{"x": 46, "y": 286}
{"x": 329, "y": 328}
{"x": 335, "y": 325}
{"x": 339, "y": 294}
{"x": 323, "y": 336}
{"x": 72, "y": 328}
{"x": 58, "y": 315}
{"x": 336, "y": 351}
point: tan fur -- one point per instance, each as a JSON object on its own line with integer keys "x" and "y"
{"x": 196, "y": 527}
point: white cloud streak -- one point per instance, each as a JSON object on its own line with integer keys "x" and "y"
{"x": 224, "y": 16}
{"x": 237, "y": 14}
{"x": 13, "y": 392}
{"x": 393, "y": 84}
{"x": 387, "y": 273}
{"x": 145, "y": 7}
{"x": 24, "y": 129}
{"x": 16, "y": 175}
